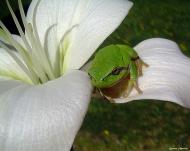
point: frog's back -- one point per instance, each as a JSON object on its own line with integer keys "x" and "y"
{"x": 105, "y": 60}
{"x": 128, "y": 51}
{"x": 111, "y": 55}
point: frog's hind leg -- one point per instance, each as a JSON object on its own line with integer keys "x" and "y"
{"x": 139, "y": 63}
{"x": 133, "y": 82}
{"x": 128, "y": 89}
{"x": 139, "y": 67}
{"x": 136, "y": 86}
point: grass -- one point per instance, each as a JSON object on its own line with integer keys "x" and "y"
{"x": 135, "y": 126}
{"x": 140, "y": 125}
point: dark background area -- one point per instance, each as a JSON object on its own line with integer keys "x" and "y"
{"x": 139, "y": 125}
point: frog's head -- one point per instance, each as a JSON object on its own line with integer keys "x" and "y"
{"x": 107, "y": 67}
{"x": 106, "y": 78}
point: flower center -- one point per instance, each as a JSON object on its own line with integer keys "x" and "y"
{"x": 33, "y": 57}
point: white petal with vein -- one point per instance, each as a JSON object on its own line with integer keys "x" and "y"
{"x": 168, "y": 76}
{"x": 46, "y": 117}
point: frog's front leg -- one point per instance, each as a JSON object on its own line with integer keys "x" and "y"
{"x": 133, "y": 82}
{"x": 136, "y": 59}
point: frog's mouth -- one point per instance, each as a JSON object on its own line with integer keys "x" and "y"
{"x": 93, "y": 80}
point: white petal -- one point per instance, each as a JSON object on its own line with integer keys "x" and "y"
{"x": 46, "y": 117}
{"x": 7, "y": 85}
{"x": 9, "y": 68}
{"x": 94, "y": 20}
{"x": 168, "y": 76}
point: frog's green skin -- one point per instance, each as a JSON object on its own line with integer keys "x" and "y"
{"x": 111, "y": 64}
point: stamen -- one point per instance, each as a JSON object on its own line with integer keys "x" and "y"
{"x": 3, "y": 37}
{"x": 11, "y": 39}
{"x": 35, "y": 60}
{"x": 41, "y": 74}
{"x": 34, "y": 21}
{"x": 55, "y": 68}
{"x": 19, "y": 62}
{"x": 36, "y": 56}
{"x": 39, "y": 53}
{"x": 18, "y": 27}
{"x": 45, "y": 56}
{"x": 64, "y": 49}
{"x": 25, "y": 55}
{"x": 35, "y": 41}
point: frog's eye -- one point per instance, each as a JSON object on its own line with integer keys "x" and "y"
{"x": 117, "y": 71}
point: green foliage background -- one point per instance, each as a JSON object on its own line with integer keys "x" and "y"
{"x": 139, "y": 125}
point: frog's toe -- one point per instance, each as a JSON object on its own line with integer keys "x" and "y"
{"x": 137, "y": 88}
{"x": 128, "y": 89}
{"x": 144, "y": 64}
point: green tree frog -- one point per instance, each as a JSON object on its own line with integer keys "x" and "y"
{"x": 115, "y": 70}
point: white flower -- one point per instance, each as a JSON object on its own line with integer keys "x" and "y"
{"x": 168, "y": 76}
{"x": 43, "y": 99}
